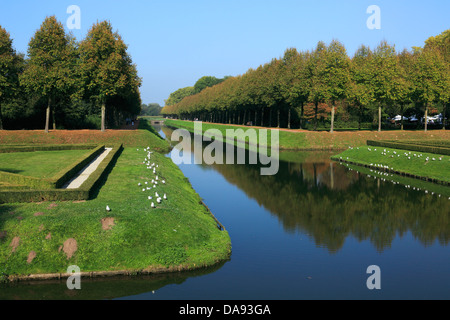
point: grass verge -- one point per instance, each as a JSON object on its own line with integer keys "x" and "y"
{"x": 421, "y": 165}
{"x": 180, "y": 233}
{"x": 301, "y": 140}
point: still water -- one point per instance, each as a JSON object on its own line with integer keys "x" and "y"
{"x": 309, "y": 232}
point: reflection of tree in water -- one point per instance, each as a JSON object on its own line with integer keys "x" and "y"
{"x": 330, "y": 203}
{"x": 330, "y": 207}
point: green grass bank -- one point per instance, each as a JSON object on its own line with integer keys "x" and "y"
{"x": 302, "y": 140}
{"x": 40, "y": 240}
{"x": 426, "y": 166}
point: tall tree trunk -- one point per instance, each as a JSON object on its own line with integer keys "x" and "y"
{"x": 332, "y": 119}
{"x": 1, "y": 119}
{"x": 262, "y": 117}
{"x": 278, "y": 117}
{"x": 103, "y": 116}
{"x": 379, "y": 117}
{"x": 53, "y": 118}
{"x": 289, "y": 118}
{"x": 47, "y": 114}
{"x": 255, "y": 118}
{"x": 401, "y": 111}
{"x": 426, "y": 117}
{"x": 270, "y": 117}
{"x": 360, "y": 117}
{"x": 443, "y": 116}
{"x": 315, "y": 115}
{"x": 301, "y": 115}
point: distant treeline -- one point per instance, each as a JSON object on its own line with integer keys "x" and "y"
{"x": 326, "y": 89}
{"x": 62, "y": 83}
{"x": 151, "y": 109}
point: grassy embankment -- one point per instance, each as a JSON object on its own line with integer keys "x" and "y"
{"x": 46, "y": 238}
{"x": 301, "y": 140}
{"x": 422, "y": 165}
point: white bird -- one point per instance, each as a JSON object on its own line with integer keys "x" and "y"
{"x": 150, "y": 198}
{"x": 164, "y": 181}
{"x": 143, "y": 189}
{"x": 153, "y": 204}
{"x": 158, "y": 200}
{"x": 164, "y": 197}
{"x": 108, "y": 208}
{"x": 139, "y": 184}
{"x": 156, "y": 194}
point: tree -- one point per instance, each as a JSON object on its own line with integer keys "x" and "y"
{"x": 337, "y": 75}
{"x": 431, "y": 78}
{"x": 205, "y": 82}
{"x": 10, "y": 68}
{"x": 385, "y": 75}
{"x": 406, "y": 85}
{"x": 441, "y": 43}
{"x": 151, "y": 109}
{"x": 179, "y": 95}
{"x": 295, "y": 82}
{"x": 318, "y": 91}
{"x": 50, "y": 65}
{"x": 361, "y": 92}
{"x": 107, "y": 68}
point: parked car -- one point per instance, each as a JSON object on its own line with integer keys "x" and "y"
{"x": 399, "y": 118}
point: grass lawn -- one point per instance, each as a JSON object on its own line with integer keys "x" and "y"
{"x": 420, "y": 164}
{"x": 39, "y": 164}
{"x": 320, "y": 140}
{"x": 179, "y": 233}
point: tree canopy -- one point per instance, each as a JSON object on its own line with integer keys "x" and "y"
{"x": 66, "y": 80}
{"x": 302, "y": 88}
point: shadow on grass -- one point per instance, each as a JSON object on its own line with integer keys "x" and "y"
{"x": 104, "y": 177}
{"x": 10, "y": 170}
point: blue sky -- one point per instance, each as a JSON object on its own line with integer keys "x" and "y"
{"x": 175, "y": 42}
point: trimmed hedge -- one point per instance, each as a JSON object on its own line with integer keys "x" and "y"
{"x": 31, "y": 182}
{"x": 439, "y": 143}
{"x": 86, "y": 190}
{"x": 411, "y": 146}
{"x": 55, "y": 147}
{"x": 43, "y": 195}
